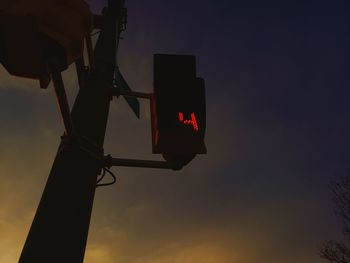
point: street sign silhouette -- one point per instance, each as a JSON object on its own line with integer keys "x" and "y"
{"x": 121, "y": 84}
{"x": 35, "y": 33}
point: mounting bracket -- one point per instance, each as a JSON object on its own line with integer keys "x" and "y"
{"x": 117, "y": 92}
{"x": 108, "y": 161}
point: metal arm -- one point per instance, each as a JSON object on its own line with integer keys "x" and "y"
{"x": 62, "y": 102}
{"x": 109, "y": 162}
{"x": 129, "y": 93}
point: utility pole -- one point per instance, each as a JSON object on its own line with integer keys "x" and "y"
{"x": 60, "y": 227}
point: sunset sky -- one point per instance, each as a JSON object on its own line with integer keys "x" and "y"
{"x": 278, "y": 91}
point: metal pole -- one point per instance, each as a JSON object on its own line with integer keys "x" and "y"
{"x": 60, "y": 227}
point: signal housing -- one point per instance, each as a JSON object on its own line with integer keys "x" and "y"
{"x": 178, "y": 108}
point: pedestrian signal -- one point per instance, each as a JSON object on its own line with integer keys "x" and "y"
{"x": 178, "y": 108}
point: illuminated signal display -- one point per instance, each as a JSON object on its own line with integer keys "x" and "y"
{"x": 178, "y": 107}
{"x": 191, "y": 122}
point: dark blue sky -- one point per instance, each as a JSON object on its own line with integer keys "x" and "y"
{"x": 277, "y": 78}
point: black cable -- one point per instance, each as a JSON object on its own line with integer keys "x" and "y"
{"x": 103, "y": 175}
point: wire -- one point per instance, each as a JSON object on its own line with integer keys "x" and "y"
{"x": 103, "y": 175}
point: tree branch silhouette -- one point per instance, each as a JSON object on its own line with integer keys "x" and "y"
{"x": 336, "y": 251}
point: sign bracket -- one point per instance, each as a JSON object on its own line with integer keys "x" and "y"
{"x": 109, "y": 161}
{"x": 128, "y": 93}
